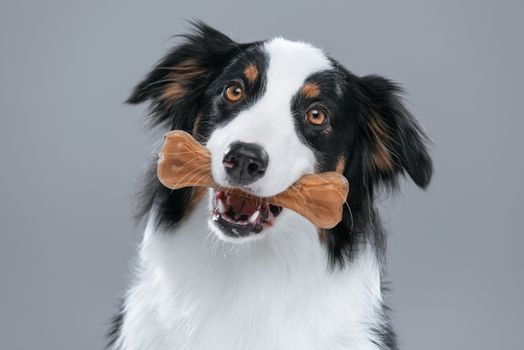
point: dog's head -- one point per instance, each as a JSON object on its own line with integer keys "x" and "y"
{"x": 272, "y": 111}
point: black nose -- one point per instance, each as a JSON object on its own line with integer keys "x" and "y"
{"x": 245, "y": 162}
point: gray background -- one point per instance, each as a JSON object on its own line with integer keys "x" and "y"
{"x": 71, "y": 154}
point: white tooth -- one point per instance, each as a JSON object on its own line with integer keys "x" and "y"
{"x": 220, "y": 206}
{"x": 254, "y": 217}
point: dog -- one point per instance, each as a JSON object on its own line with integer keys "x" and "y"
{"x": 217, "y": 272}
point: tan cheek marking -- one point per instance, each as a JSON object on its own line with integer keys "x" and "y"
{"x": 196, "y": 126}
{"x": 310, "y": 90}
{"x": 381, "y": 156}
{"x": 179, "y": 76}
{"x": 341, "y": 164}
{"x": 251, "y": 73}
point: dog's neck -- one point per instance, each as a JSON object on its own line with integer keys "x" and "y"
{"x": 194, "y": 291}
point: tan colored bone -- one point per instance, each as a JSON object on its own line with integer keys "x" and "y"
{"x": 183, "y": 162}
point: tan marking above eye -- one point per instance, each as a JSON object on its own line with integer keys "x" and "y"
{"x": 251, "y": 73}
{"x": 316, "y": 116}
{"x": 310, "y": 90}
{"x": 234, "y": 92}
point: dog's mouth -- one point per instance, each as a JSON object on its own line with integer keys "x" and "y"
{"x": 240, "y": 215}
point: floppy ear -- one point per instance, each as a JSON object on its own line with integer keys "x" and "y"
{"x": 389, "y": 142}
{"x": 177, "y": 83}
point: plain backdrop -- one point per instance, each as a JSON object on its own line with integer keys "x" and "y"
{"x": 71, "y": 154}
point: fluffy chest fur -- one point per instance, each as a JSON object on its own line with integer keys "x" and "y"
{"x": 194, "y": 292}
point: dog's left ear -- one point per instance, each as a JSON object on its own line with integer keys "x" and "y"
{"x": 387, "y": 142}
{"x": 175, "y": 87}
{"x": 390, "y": 142}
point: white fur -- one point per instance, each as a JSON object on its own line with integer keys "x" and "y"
{"x": 269, "y": 121}
{"x": 195, "y": 292}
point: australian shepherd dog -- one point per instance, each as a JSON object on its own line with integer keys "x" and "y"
{"x": 216, "y": 273}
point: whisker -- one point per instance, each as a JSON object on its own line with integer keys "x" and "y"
{"x": 158, "y": 82}
{"x": 185, "y": 164}
{"x": 176, "y": 153}
{"x": 296, "y": 190}
{"x": 196, "y": 170}
{"x": 199, "y": 179}
{"x": 192, "y": 173}
{"x": 340, "y": 194}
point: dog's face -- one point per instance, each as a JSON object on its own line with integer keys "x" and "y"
{"x": 260, "y": 113}
{"x": 272, "y": 111}
{"x": 271, "y": 117}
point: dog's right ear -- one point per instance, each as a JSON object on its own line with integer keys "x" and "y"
{"x": 177, "y": 83}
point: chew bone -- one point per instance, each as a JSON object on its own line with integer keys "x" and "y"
{"x": 184, "y": 162}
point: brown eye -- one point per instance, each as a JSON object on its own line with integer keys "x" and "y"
{"x": 316, "y": 116}
{"x": 234, "y": 92}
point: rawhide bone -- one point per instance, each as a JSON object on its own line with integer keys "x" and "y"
{"x": 184, "y": 162}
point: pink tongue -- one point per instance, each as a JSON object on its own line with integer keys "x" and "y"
{"x": 242, "y": 205}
